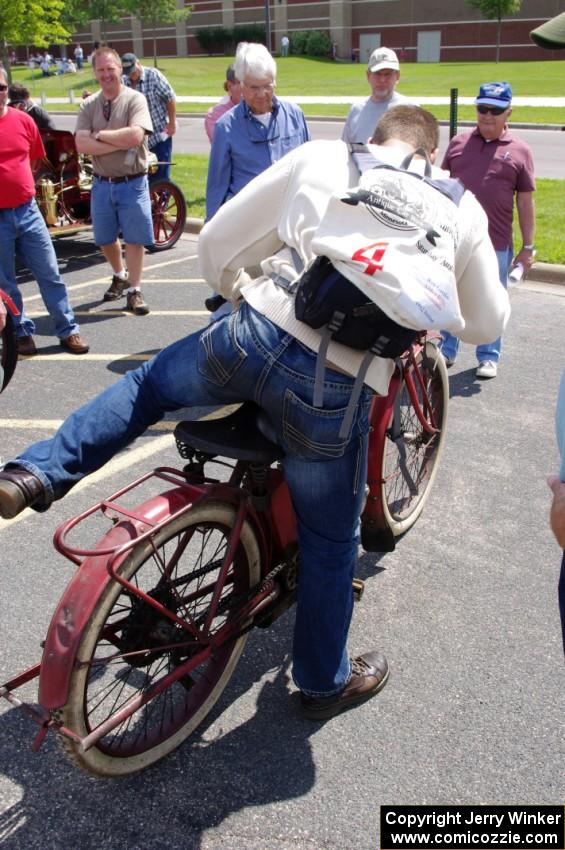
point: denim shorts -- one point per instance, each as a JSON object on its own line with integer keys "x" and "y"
{"x": 121, "y": 209}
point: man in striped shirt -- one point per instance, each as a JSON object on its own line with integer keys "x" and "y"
{"x": 162, "y": 108}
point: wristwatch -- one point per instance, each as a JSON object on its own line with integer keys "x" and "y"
{"x": 528, "y": 247}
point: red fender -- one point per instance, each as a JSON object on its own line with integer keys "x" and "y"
{"x": 381, "y": 412}
{"x": 82, "y": 594}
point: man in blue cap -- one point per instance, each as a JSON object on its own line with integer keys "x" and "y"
{"x": 498, "y": 168}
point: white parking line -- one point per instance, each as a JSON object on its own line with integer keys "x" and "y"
{"x": 172, "y": 280}
{"x": 61, "y": 357}
{"x": 104, "y": 279}
{"x": 119, "y": 463}
{"x": 123, "y": 461}
{"x": 53, "y": 424}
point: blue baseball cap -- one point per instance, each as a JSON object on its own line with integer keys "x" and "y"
{"x": 495, "y": 94}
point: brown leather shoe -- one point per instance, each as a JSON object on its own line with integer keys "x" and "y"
{"x": 369, "y": 673}
{"x": 116, "y": 289}
{"x": 18, "y": 490}
{"x": 136, "y": 304}
{"x": 26, "y": 346}
{"x": 75, "y": 344}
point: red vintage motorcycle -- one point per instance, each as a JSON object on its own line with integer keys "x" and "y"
{"x": 63, "y": 181}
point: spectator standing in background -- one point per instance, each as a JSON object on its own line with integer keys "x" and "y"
{"x": 285, "y": 44}
{"x": 113, "y": 126}
{"x": 497, "y": 167}
{"x": 20, "y": 99}
{"x": 233, "y": 88}
{"x": 162, "y": 108}
{"x": 257, "y": 132}
{"x": 383, "y": 74}
{"x": 23, "y": 231}
{"x": 79, "y": 57}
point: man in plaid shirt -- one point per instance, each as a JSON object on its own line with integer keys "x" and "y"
{"x": 162, "y": 108}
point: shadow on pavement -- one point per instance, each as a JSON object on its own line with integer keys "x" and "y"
{"x": 464, "y": 384}
{"x": 259, "y": 759}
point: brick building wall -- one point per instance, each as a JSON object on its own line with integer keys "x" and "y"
{"x": 425, "y": 30}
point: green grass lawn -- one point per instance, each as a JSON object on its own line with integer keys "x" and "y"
{"x": 204, "y": 76}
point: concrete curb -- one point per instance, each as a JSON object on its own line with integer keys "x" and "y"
{"x": 193, "y": 225}
{"x": 540, "y": 272}
{"x": 547, "y": 273}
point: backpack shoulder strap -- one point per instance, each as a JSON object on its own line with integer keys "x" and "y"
{"x": 451, "y": 187}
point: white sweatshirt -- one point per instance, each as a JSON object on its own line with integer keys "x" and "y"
{"x": 282, "y": 208}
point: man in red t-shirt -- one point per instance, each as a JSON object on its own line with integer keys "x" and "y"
{"x": 23, "y": 232}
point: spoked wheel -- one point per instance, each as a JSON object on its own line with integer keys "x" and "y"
{"x": 412, "y": 452}
{"x": 128, "y": 647}
{"x": 168, "y": 211}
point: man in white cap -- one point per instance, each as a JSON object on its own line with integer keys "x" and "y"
{"x": 383, "y": 74}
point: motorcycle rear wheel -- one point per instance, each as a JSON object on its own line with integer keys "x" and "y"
{"x": 127, "y": 647}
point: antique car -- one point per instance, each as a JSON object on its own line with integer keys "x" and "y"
{"x": 63, "y": 181}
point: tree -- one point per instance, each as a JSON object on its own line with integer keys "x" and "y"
{"x": 76, "y": 14}
{"x": 30, "y": 22}
{"x": 154, "y": 12}
{"x": 496, "y": 10}
{"x": 105, "y": 11}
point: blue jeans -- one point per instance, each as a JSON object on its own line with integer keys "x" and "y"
{"x": 490, "y": 350}
{"x": 23, "y": 233}
{"x": 121, "y": 209}
{"x": 240, "y": 357}
{"x": 164, "y": 153}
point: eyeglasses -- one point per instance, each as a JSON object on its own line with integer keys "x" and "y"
{"x": 107, "y": 109}
{"x": 494, "y": 110}
{"x": 3, "y": 87}
{"x": 257, "y": 89}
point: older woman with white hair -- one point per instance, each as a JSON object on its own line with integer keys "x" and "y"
{"x": 259, "y": 131}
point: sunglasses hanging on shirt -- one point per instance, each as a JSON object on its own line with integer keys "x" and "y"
{"x": 107, "y": 109}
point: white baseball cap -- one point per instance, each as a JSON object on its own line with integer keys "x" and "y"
{"x": 383, "y": 57}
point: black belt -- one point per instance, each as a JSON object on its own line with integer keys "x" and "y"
{"x": 121, "y": 179}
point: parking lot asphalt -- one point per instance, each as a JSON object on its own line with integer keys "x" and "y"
{"x": 465, "y": 609}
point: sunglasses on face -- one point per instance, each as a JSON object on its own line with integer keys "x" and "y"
{"x": 3, "y": 87}
{"x": 494, "y": 110}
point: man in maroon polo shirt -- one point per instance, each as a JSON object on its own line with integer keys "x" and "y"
{"x": 497, "y": 167}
